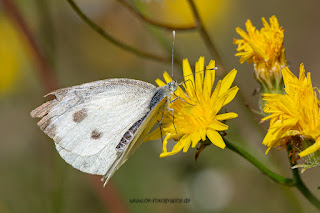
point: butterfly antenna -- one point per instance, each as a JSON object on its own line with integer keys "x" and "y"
{"x": 173, "y": 37}
{"x": 215, "y": 68}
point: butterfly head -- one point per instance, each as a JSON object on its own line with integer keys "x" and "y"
{"x": 172, "y": 86}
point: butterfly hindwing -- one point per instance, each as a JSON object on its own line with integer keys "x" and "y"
{"x": 88, "y": 121}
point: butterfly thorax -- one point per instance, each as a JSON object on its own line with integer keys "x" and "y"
{"x": 170, "y": 88}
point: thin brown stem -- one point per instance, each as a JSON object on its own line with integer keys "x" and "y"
{"x": 206, "y": 38}
{"x": 44, "y": 69}
{"x": 146, "y": 19}
{"x": 116, "y": 42}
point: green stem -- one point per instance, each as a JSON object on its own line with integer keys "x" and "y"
{"x": 273, "y": 176}
{"x": 304, "y": 190}
{"x": 116, "y": 42}
{"x": 295, "y": 182}
{"x": 301, "y": 186}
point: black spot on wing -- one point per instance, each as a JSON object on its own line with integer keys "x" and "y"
{"x": 80, "y": 115}
{"x": 95, "y": 134}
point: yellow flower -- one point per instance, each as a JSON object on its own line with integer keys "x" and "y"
{"x": 294, "y": 116}
{"x": 179, "y": 12}
{"x": 265, "y": 49}
{"x": 196, "y": 111}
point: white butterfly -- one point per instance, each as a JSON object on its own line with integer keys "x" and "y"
{"x": 96, "y": 126}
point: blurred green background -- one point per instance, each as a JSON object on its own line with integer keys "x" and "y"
{"x": 35, "y": 179}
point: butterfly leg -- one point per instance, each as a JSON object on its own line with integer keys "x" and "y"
{"x": 181, "y": 100}
{"x": 174, "y": 100}
{"x": 160, "y": 127}
{"x": 172, "y": 110}
{"x": 192, "y": 87}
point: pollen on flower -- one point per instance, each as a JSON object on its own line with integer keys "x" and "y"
{"x": 196, "y": 114}
{"x": 265, "y": 49}
{"x": 294, "y": 116}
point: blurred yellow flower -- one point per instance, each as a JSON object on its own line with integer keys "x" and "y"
{"x": 196, "y": 113}
{"x": 265, "y": 49}
{"x": 10, "y": 55}
{"x": 179, "y": 12}
{"x": 294, "y": 116}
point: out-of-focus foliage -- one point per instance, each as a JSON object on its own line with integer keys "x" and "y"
{"x": 35, "y": 179}
{"x": 11, "y": 48}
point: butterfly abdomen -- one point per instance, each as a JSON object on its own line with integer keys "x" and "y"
{"x": 129, "y": 135}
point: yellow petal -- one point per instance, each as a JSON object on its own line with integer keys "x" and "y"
{"x": 314, "y": 147}
{"x": 218, "y": 103}
{"x": 258, "y": 50}
{"x": 267, "y": 150}
{"x": 226, "y": 116}
{"x": 181, "y": 94}
{"x": 155, "y": 134}
{"x": 274, "y": 22}
{"x": 302, "y": 75}
{"x": 216, "y": 138}
{"x": 187, "y": 73}
{"x": 242, "y": 33}
{"x": 195, "y": 138}
{"x": 265, "y": 23}
{"x": 288, "y": 76}
{"x": 199, "y": 75}
{"x": 187, "y": 143}
{"x": 164, "y": 154}
{"x": 160, "y": 83}
{"x": 285, "y": 123}
{"x": 167, "y": 77}
{"x": 227, "y": 81}
{"x": 202, "y": 134}
{"x": 271, "y": 137}
{"x": 215, "y": 93}
{"x": 218, "y": 126}
{"x": 209, "y": 79}
{"x": 165, "y": 142}
{"x": 211, "y": 66}
{"x": 232, "y": 93}
{"x": 269, "y": 116}
{"x": 177, "y": 148}
{"x": 207, "y": 85}
{"x": 291, "y": 133}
